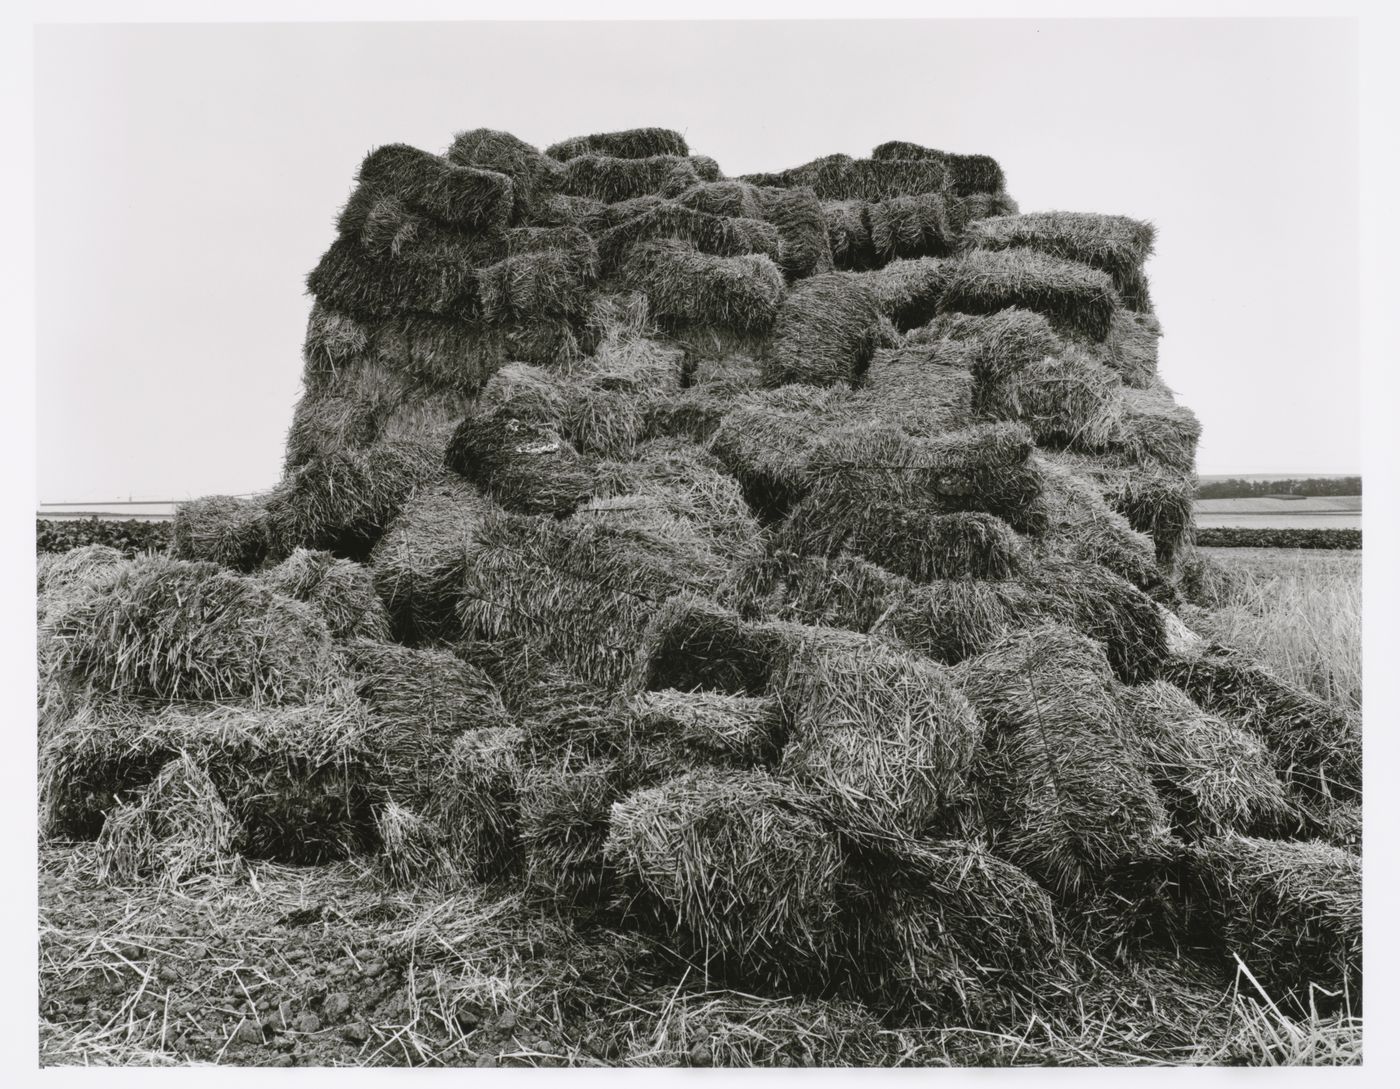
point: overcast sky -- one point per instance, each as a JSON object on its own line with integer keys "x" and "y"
{"x": 188, "y": 178}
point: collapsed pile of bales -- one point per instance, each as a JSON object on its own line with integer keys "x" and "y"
{"x": 782, "y": 564}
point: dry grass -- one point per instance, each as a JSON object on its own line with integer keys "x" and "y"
{"x": 1297, "y": 610}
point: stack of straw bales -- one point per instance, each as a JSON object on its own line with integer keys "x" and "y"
{"x": 780, "y": 564}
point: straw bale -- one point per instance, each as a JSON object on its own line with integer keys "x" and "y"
{"x": 840, "y": 177}
{"x": 692, "y": 644}
{"x": 1155, "y": 499}
{"x": 687, "y": 287}
{"x": 1073, "y": 296}
{"x": 581, "y": 591}
{"x": 1341, "y": 825}
{"x": 907, "y": 292}
{"x": 1290, "y": 910}
{"x": 174, "y": 629}
{"x": 1002, "y": 342}
{"x": 1116, "y": 244}
{"x": 906, "y": 227}
{"x": 175, "y": 827}
{"x": 768, "y": 439}
{"x": 344, "y": 499}
{"x": 1131, "y": 348}
{"x": 1150, "y": 427}
{"x": 419, "y": 562}
{"x": 722, "y": 236}
{"x": 721, "y": 862}
{"x": 960, "y": 934}
{"x": 524, "y": 466}
{"x": 1064, "y": 400}
{"x": 529, "y": 171}
{"x": 848, "y": 234}
{"x": 1213, "y": 777}
{"x": 952, "y": 619}
{"x": 228, "y": 530}
{"x": 878, "y": 730}
{"x": 963, "y": 211}
{"x": 1316, "y": 745}
{"x": 914, "y": 390}
{"x": 744, "y": 728}
{"x": 1060, "y": 783}
{"x": 334, "y": 342}
{"x": 967, "y": 174}
{"x": 640, "y": 143}
{"x": 463, "y": 196}
{"x": 564, "y": 813}
{"x": 986, "y": 467}
{"x": 1095, "y": 601}
{"x": 827, "y": 329}
{"x": 476, "y": 801}
{"x": 1080, "y": 526}
{"x": 350, "y": 413}
{"x": 439, "y": 354}
{"x": 300, "y": 780}
{"x": 803, "y": 248}
{"x": 341, "y": 592}
{"x": 538, "y": 284}
{"x": 412, "y": 849}
{"x": 86, "y": 565}
{"x": 372, "y": 287}
{"x": 611, "y": 179}
{"x": 1206, "y": 582}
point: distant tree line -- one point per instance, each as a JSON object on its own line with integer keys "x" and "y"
{"x": 1236, "y": 488}
{"x": 1232, "y": 537}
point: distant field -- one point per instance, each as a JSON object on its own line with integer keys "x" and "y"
{"x": 1322, "y": 512}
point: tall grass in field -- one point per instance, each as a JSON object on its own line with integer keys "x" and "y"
{"x": 1299, "y": 610}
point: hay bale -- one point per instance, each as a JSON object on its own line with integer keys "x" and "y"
{"x": 419, "y": 562}
{"x": 299, "y": 780}
{"x": 1131, "y": 348}
{"x": 959, "y": 933}
{"x": 228, "y": 530}
{"x": 767, "y": 441}
{"x": 723, "y": 863}
{"x": 462, "y": 196}
{"x": 499, "y": 152}
{"x": 343, "y": 500}
{"x": 953, "y": 619}
{"x": 712, "y": 724}
{"x": 1213, "y": 777}
{"x": 1065, "y": 400}
{"x": 986, "y": 468}
{"x": 1116, "y": 244}
{"x": 1155, "y": 499}
{"x": 907, "y": 292}
{"x": 172, "y": 629}
{"x": 1081, "y": 527}
{"x": 640, "y": 143}
{"x": 86, "y": 565}
{"x": 847, "y": 224}
{"x": 333, "y": 342}
{"x": 877, "y": 730}
{"x": 1290, "y": 911}
{"x": 441, "y": 355}
{"x": 523, "y": 466}
{"x": 1149, "y": 428}
{"x": 693, "y": 644}
{"x": 1000, "y": 344}
{"x": 1206, "y": 582}
{"x": 369, "y": 286}
{"x": 966, "y": 173}
{"x": 687, "y": 287}
{"x": 913, "y": 543}
{"x": 840, "y": 177}
{"x": 908, "y": 227}
{"x": 341, "y": 592}
{"x": 611, "y": 179}
{"x": 1316, "y": 745}
{"x": 1074, "y": 297}
{"x": 564, "y": 814}
{"x": 1060, "y": 783}
{"x": 914, "y": 390}
{"x": 476, "y": 801}
{"x": 722, "y": 236}
{"x": 1093, "y": 600}
{"x": 580, "y": 591}
{"x": 528, "y": 286}
{"x": 803, "y": 247}
{"x": 412, "y": 849}
{"x": 175, "y": 827}
{"x": 963, "y": 211}
{"x": 827, "y": 329}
